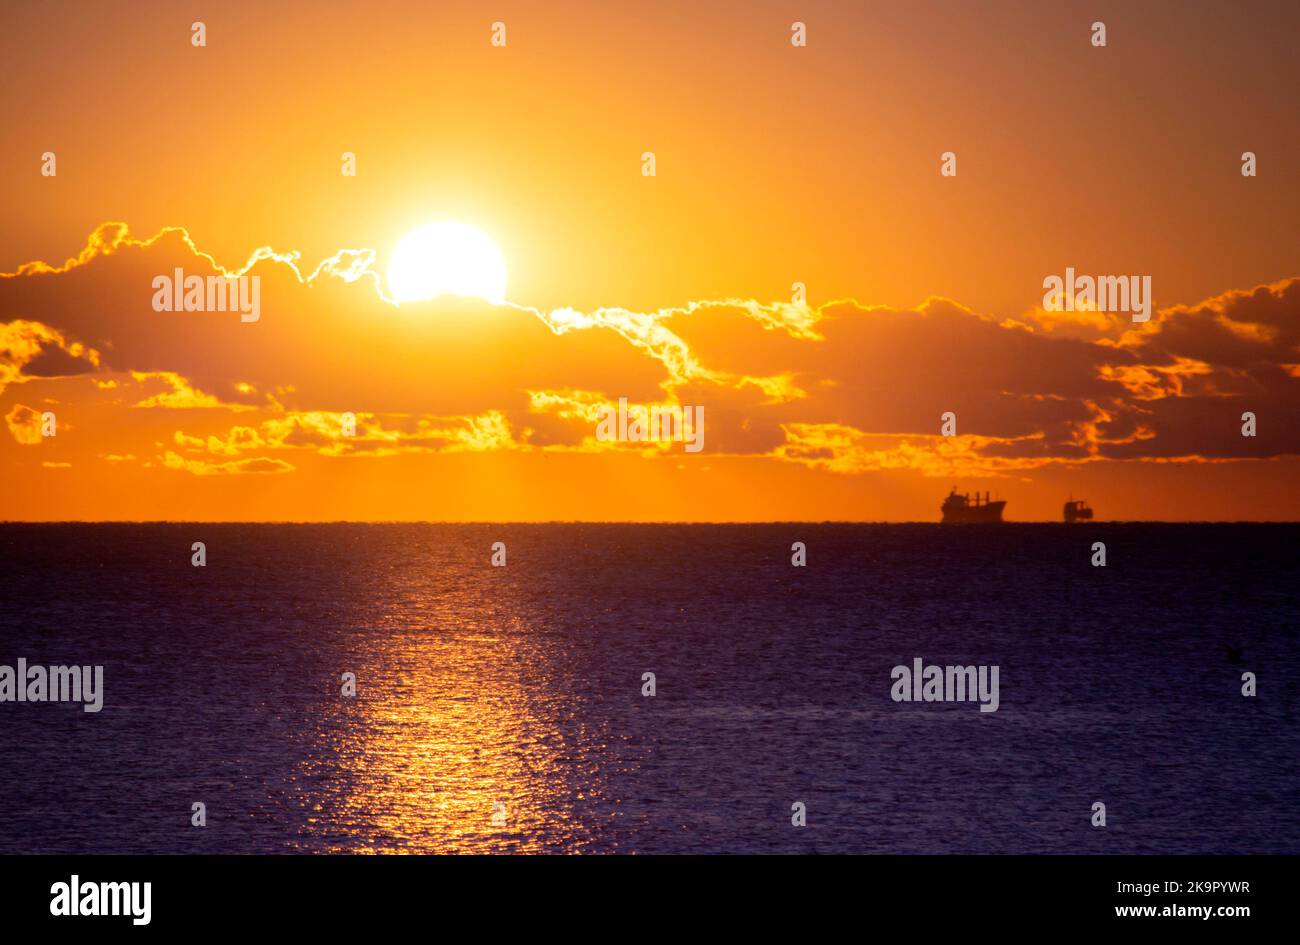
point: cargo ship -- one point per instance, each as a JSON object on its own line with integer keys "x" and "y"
{"x": 1077, "y": 510}
{"x": 959, "y": 509}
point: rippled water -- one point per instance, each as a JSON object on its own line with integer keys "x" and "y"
{"x": 522, "y": 686}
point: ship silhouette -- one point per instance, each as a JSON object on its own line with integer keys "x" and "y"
{"x": 958, "y": 509}
{"x": 1077, "y": 510}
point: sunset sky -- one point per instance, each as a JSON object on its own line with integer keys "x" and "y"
{"x": 774, "y": 165}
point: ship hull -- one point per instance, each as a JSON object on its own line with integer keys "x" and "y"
{"x": 975, "y": 514}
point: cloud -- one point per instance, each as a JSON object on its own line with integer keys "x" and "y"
{"x": 24, "y": 424}
{"x": 199, "y": 467}
{"x": 176, "y": 393}
{"x": 845, "y": 388}
{"x": 324, "y": 433}
{"x": 30, "y": 350}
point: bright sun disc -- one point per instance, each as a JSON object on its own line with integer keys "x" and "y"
{"x": 446, "y": 258}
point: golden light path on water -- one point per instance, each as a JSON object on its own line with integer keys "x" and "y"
{"x": 460, "y": 738}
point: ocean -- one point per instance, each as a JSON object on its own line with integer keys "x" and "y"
{"x": 502, "y": 709}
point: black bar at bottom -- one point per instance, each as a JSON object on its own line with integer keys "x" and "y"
{"x": 668, "y": 894}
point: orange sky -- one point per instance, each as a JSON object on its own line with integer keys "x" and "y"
{"x": 775, "y": 164}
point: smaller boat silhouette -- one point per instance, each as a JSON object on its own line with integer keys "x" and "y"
{"x": 1077, "y": 510}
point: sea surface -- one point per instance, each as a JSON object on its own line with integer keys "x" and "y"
{"x": 501, "y": 709}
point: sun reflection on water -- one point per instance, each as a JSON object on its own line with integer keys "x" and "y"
{"x": 456, "y": 740}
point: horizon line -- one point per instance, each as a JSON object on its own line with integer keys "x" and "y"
{"x": 578, "y": 521}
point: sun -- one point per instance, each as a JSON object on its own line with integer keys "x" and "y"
{"x": 446, "y": 258}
